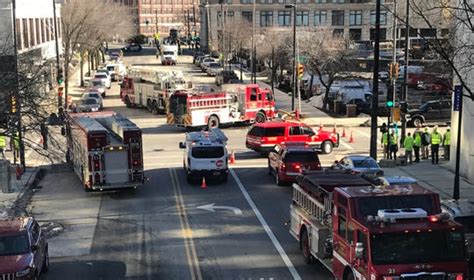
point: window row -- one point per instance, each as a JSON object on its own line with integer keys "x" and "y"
{"x": 321, "y": 18}
{"x": 31, "y": 32}
{"x": 304, "y": 1}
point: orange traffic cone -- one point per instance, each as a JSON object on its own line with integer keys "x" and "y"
{"x": 320, "y": 125}
{"x": 343, "y": 132}
{"x": 351, "y": 139}
{"x": 203, "y": 184}
{"x": 232, "y": 158}
{"x": 334, "y": 129}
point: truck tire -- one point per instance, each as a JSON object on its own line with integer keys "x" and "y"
{"x": 154, "y": 109}
{"x": 304, "y": 246}
{"x": 149, "y": 106}
{"x": 260, "y": 117}
{"x": 349, "y": 276}
{"x": 213, "y": 122}
{"x": 417, "y": 121}
{"x": 326, "y": 147}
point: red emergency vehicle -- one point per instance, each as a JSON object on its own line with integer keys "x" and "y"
{"x": 244, "y": 103}
{"x": 393, "y": 232}
{"x": 105, "y": 150}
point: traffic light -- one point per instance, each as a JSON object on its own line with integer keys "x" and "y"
{"x": 393, "y": 70}
{"x": 13, "y": 104}
{"x": 300, "y": 71}
{"x": 390, "y": 95}
{"x": 60, "y": 91}
{"x": 404, "y": 107}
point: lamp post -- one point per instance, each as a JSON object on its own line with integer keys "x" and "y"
{"x": 56, "y": 40}
{"x": 295, "y": 79}
{"x": 405, "y": 73}
{"x": 253, "y": 56}
{"x": 375, "y": 88}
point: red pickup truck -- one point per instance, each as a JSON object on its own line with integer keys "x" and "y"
{"x": 262, "y": 137}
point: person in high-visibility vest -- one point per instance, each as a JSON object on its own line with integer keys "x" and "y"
{"x": 408, "y": 144}
{"x": 3, "y": 144}
{"x": 436, "y": 139}
{"x": 393, "y": 145}
{"x": 385, "y": 144}
{"x": 417, "y": 144}
{"x": 447, "y": 143}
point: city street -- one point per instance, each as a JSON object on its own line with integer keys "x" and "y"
{"x": 159, "y": 231}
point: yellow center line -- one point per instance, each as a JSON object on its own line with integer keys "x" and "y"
{"x": 186, "y": 230}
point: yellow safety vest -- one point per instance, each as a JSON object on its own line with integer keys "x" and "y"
{"x": 435, "y": 138}
{"x": 3, "y": 141}
{"x": 447, "y": 138}
{"x": 385, "y": 138}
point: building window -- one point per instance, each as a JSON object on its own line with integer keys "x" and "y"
{"x": 338, "y": 33}
{"x": 355, "y": 18}
{"x": 284, "y": 18}
{"x": 24, "y": 29}
{"x": 266, "y": 1}
{"x": 246, "y": 1}
{"x": 31, "y": 32}
{"x": 356, "y": 1}
{"x": 302, "y": 18}
{"x": 320, "y": 1}
{"x": 383, "y": 34}
{"x": 383, "y": 17}
{"x": 320, "y": 18}
{"x": 428, "y": 32}
{"x": 43, "y": 31}
{"x": 266, "y": 18}
{"x": 338, "y": 1}
{"x": 302, "y": 1}
{"x": 355, "y": 34}
{"x": 18, "y": 35}
{"x": 38, "y": 31}
{"x": 338, "y": 18}
{"x": 247, "y": 15}
{"x": 284, "y": 1}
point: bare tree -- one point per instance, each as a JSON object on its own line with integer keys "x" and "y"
{"x": 237, "y": 35}
{"x": 327, "y": 56}
{"x": 88, "y": 23}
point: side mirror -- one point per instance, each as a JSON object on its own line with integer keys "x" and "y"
{"x": 34, "y": 247}
{"x": 359, "y": 251}
{"x": 182, "y": 145}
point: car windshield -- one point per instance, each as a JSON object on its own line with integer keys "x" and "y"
{"x": 110, "y": 68}
{"x": 97, "y": 83}
{"x": 365, "y": 163}
{"x": 168, "y": 53}
{"x": 303, "y": 156}
{"x": 214, "y": 65}
{"x": 89, "y": 101}
{"x": 14, "y": 245}
{"x": 92, "y": 95}
{"x": 417, "y": 247}
{"x": 207, "y": 152}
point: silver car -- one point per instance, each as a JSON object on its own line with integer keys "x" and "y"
{"x": 88, "y": 105}
{"x": 359, "y": 164}
{"x": 99, "y": 86}
{"x": 92, "y": 93}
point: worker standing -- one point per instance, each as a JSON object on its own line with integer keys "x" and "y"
{"x": 425, "y": 142}
{"x": 3, "y": 144}
{"x": 417, "y": 144}
{"x": 447, "y": 143}
{"x": 435, "y": 142}
{"x": 393, "y": 145}
{"x": 385, "y": 145}
{"x": 408, "y": 144}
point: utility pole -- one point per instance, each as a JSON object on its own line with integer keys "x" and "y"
{"x": 375, "y": 83}
{"x": 189, "y": 26}
{"x": 295, "y": 79}
{"x": 17, "y": 95}
{"x": 56, "y": 40}
{"x": 405, "y": 73}
{"x": 458, "y": 100}
{"x": 254, "y": 75}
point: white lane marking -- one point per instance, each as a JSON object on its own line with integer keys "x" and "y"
{"x": 267, "y": 229}
{"x": 347, "y": 146}
{"x": 212, "y": 208}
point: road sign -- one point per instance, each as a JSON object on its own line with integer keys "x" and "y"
{"x": 457, "y": 98}
{"x": 302, "y": 59}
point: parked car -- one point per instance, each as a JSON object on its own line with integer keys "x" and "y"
{"x": 88, "y": 105}
{"x": 226, "y": 77}
{"x": 431, "y": 111}
{"x": 93, "y": 93}
{"x": 359, "y": 164}
{"x": 213, "y": 68}
{"x": 99, "y": 86}
{"x": 262, "y": 137}
{"x": 288, "y": 160}
{"x": 133, "y": 47}
{"x": 205, "y": 62}
{"x": 114, "y": 56}
{"x": 117, "y": 71}
{"x": 104, "y": 78}
{"x": 199, "y": 59}
{"x": 23, "y": 249}
{"x": 105, "y": 71}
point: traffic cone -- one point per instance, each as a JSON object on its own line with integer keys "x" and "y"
{"x": 343, "y": 132}
{"x": 232, "y": 158}
{"x": 18, "y": 172}
{"x": 351, "y": 139}
{"x": 320, "y": 125}
{"x": 203, "y": 184}
{"x": 334, "y": 129}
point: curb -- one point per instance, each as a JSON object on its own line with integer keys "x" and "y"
{"x": 35, "y": 177}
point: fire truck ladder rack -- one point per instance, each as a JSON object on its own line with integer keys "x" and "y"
{"x": 214, "y": 135}
{"x": 313, "y": 207}
{"x": 118, "y": 124}
{"x": 211, "y": 102}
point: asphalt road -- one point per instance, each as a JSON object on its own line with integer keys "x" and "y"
{"x": 159, "y": 231}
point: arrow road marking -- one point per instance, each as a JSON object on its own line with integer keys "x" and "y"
{"x": 212, "y": 208}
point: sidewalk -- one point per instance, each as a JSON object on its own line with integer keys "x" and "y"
{"x": 19, "y": 188}
{"x": 438, "y": 178}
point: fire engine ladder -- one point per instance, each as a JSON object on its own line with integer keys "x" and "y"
{"x": 316, "y": 209}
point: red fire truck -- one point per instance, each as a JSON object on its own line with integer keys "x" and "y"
{"x": 358, "y": 231}
{"x": 245, "y": 103}
{"x": 105, "y": 150}
{"x": 148, "y": 88}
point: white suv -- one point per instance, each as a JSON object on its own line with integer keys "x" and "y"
{"x": 205, "y": 155}
{"x": 104, "y": 78}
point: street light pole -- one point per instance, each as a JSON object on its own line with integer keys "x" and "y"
{"x": 405, "y": 73}
{"x": 295, "y": 86}
{"x": 56, "y": 40}
{"x": 375, "y": 83}
{"x": 252, "y": 59}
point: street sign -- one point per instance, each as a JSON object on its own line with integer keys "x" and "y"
{"x": 457, "y": 98}
{"x": 302, "y": 59}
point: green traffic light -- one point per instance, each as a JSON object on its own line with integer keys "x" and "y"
{"x": 389, "y": 103}
{"x": 60, "y": 81}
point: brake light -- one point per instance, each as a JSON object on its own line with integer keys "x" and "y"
{"x": 297, "y": 166}
{"x": 283, "y": 167}
{"x": 459, "y": 277}
{"x": 434, "y": 218}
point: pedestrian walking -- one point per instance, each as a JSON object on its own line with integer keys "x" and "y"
{"x": 393, "y": 145}
{"x": 408, "y": 144}
{"x": 3, "y": 144}
{"x": 383, "y": 128}
{"x": 425, "y": 142}
{"x": 385, "y": 145}
{"x": 417, "y": 144}
{"x": 435, "y": 142}
{"x": 447, "y": 143}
